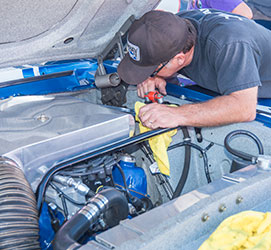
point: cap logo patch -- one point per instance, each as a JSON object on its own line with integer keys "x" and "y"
{"x": 134, "y": 51}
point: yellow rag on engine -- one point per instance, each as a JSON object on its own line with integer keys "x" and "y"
{"x": 246, "y": 230}
{"x": 158, "y": 144}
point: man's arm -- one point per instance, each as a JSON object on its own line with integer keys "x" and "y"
{"x": 239, "y": 106}
{"x": 243, "y": 10}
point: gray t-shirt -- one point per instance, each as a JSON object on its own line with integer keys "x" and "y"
{"x": 231, "y": 53}
{"x": 264, "y": 6}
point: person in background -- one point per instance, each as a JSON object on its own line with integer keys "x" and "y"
{"x": 235, "y": 6}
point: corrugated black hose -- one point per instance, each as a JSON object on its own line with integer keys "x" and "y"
{"x": 19, "y": 227}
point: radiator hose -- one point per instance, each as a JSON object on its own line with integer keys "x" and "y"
{"x": 109, "y": 198}
{"x": 19, "y": 228}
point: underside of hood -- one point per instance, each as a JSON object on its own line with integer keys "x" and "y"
{"x": 41, "y": 31}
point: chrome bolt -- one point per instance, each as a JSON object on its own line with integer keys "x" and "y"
{"x": 132, "y": 209}
{"x": 102, "y": 223}
{"x": 239, "y": 199}
{"x": 205, "y": 217}
{"x": 222, "y": 208}
{"x": 42, "y": 118}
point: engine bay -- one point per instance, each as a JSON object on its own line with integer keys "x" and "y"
{"x": 75, "y": 170}
{"x": 76, "y": 153}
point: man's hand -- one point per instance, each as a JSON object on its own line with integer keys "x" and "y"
{"x": 151, "y": 84}
{"x": 158, "y": 116}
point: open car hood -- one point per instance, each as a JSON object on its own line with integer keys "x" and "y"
{"x": 41, "y": 31}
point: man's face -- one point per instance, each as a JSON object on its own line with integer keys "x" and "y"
{"x": 170, "y": 68}
{"x": 167, "y": 71}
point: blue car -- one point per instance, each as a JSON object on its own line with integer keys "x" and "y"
{"x": 76, "y": 173}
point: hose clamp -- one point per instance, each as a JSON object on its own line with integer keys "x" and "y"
{"x": 90, "y": 211}
{"x": 101, "y": 201}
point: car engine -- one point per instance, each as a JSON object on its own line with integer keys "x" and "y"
{"x": 75, "y": 170}
{"x": 88, "y": 172}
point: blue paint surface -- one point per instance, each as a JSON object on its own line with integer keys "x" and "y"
{"x": 82, "y": 77}
{"x": 135, "y": 178}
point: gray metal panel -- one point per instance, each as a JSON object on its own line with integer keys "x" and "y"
{"x": 93, "y": 246}
{"x": 37, "y": 31}
{"x": 73, "y": 127}
{"x": 179, "y": 225}
{"x": 117, "y": 235}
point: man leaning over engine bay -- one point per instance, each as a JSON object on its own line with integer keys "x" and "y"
{"x": 220, "y": 51}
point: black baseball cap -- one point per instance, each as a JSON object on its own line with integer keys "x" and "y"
{"x": 153, "y": 39}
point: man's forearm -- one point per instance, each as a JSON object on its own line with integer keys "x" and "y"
{"x": 219, "y": 111}
{"x": 239, "y": 106}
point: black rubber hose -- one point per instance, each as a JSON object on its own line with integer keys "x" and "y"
{"x": 133, "y": 199}
{"x": 242, "y": 155}
{"x": 19, "y": 227}
{"x": 68, "y": 235}
{"x": 186, "y": 167}
{"x": 124, "y": 179}
{"x": 203, "y": 152}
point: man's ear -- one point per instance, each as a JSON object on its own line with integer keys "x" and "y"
{"x": 180, "y": 58}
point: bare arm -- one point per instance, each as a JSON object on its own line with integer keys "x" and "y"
{"x": 239, "y": 106}
{"x": 243, "y": 10}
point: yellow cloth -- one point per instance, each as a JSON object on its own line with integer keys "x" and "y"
{"x": 246, "y": 230}
{"x": 158, "y": 144}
